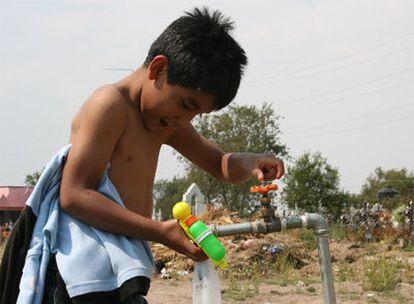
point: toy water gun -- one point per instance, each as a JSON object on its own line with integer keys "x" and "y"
{"x": 200, "y": 234}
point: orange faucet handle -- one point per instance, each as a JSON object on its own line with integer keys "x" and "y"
{"x": 263, "y": 189}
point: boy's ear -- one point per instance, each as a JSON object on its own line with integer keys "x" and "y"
{"x": 157, "y": 67}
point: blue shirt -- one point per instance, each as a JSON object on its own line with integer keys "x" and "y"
{"x": 88, "y": 259}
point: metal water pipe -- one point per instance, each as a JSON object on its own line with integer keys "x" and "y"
{"x": 272, "y": 223}
{"x": 309, "y": 220}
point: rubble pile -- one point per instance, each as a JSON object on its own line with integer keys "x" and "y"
{"x": 241, "y": 250}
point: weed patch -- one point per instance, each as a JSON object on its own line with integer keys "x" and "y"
{"x": 240, "y": 290}
{"x": 346, "y": 272}
{"x": 308, "y": 238}
{"x": 337, "y": 232}
{"x": 382, "y": 274}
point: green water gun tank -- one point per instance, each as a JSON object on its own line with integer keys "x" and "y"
{"x": 200, "y": 234}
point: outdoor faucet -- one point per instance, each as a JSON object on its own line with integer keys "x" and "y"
{"x": 266, "y": 210}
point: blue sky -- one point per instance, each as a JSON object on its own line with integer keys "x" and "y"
{"x": 339, "y": 72}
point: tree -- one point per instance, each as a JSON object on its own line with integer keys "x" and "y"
{"x": 401, "y": 180}
{"x": 31, "y": 179}
{"x": 238, "y": 128}
{"x": 312, "y": 183}
{"x": 169, "y": 192}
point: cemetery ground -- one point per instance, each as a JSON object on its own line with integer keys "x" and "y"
{"x": 284, "y": 268}
{"x": 370, "y": 273}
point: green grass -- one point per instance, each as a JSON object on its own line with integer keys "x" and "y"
{"x": 242, "y": 281}
{"x": 336, "y": 232}
{"x": 395, "y": 295}
{"x": 308, "y": 237}
{"x": 408, "y": 248}
{"x": 383, "y": 274}
{"x": 241, "y": 290}
{"x": 311, "y": 289}
{"x": 347, "y": 272}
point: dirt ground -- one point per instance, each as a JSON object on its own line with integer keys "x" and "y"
{"x": 347, "y": 262}
{"x": 179, "y": 292}
{"x": 304, "y": 284}
{"x": 259, "y": 274}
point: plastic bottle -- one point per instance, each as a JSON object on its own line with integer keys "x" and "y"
{"x": 206, "y": 284}
{"x": 197, "y": 231}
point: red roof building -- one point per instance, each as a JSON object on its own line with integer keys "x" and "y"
{"x": 12, "y": 201}
{"x": 13, "y": 198}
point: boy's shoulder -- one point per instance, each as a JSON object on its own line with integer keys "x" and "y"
{"x": 108, "y": 94}
{"x": 106, "y": 106}
{"x": 107, "y": 100}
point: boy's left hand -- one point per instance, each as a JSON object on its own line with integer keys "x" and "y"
{"x": 241, "y": 166}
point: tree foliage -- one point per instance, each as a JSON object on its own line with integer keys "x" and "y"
{"x": 31, "y": 179}
{"x": 169, "y": 192}
{"x": 238, "y": 128}
{"x": 312, "y": 183}
{"x": 401, "y": 180}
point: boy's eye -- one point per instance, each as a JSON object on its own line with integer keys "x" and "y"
{"x": 186, "y": 106}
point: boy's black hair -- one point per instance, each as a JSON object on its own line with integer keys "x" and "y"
{"x": 202, "y": 55}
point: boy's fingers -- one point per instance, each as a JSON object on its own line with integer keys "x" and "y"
{"x": 273, "y": 167}
{"x": 279, "y": 167}
{"x": 194, "y": 252}
{"x": 200, "y": 255}
{"x": 258, "y": 173}
{"x": 270, "y": 173}
{"x": 197, "y": 254}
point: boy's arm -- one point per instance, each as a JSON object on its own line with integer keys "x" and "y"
{"x": 228, "y": 167}
{"x": 104, "y": 119}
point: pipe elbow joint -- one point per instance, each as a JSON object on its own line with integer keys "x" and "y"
{"x": 317, "y": 222}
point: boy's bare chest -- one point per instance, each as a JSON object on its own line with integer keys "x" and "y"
{"x": 133, "y": 167}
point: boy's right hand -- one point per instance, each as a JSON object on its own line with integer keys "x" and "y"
{"x": 174, "y": 237}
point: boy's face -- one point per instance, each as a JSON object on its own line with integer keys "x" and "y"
{"x": 168, "y": 107}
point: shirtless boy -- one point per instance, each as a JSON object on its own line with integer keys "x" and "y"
{"x": 193, "y": 67}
